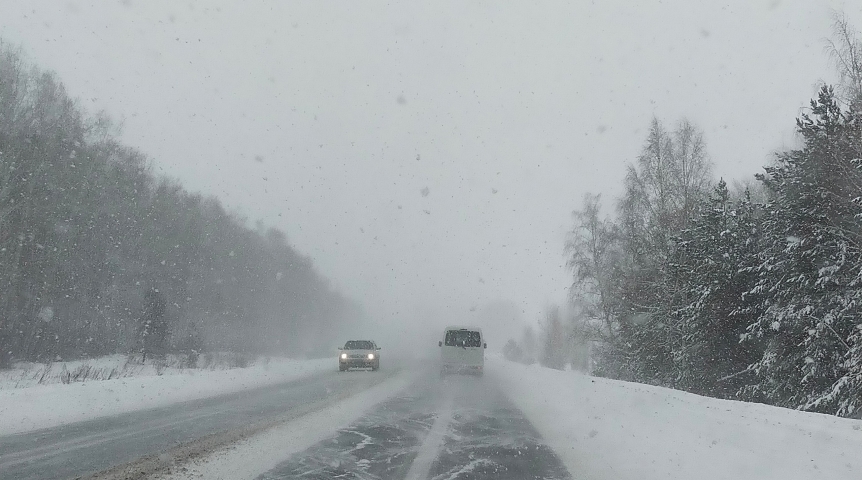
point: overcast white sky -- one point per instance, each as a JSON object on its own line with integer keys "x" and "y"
{"x": 328, "y": 119}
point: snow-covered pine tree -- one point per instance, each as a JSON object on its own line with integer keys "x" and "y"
{"x": 811, "y": 270}
{"x": 711, "y": 267}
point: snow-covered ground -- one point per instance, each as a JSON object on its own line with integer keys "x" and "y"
{"x": 601, "y": 429}
{"x": 29, "y": 374}
{"x": 607, "y": 429}
{"x": 47, "y": 405}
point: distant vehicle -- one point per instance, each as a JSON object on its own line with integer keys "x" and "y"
{"x": 359, "y": 354}
{"x": 462, "y": 350}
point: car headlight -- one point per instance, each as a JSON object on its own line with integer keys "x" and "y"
{"x": 371, "y": 356}
{"x": 344, "y": 356}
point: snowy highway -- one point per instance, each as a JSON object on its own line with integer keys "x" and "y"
{"x": 263, "y": 240}
{"x": 408, "y": 423}
{"x": 188, "y": 428}
{"x": 451, "y": 428}
{"x": 431, "y": 427}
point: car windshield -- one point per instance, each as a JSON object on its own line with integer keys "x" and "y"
{"x": 462, "y": 338}
{"x": 359, "y": 345}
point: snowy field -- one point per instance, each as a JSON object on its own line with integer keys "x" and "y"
{"x": 112, "y": 385}
{"x": 607, "y": 429}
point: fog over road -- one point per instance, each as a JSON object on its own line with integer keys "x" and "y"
{"x": 450, "y": 427}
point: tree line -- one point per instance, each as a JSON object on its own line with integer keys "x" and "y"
{"x": 98, "y": 255}
{"x": 752, "y": 292}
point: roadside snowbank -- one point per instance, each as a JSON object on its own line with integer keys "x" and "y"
{"x": 606, "y": 429}
{"x": 42, "y": 406}
{"x": 29, "y": 374}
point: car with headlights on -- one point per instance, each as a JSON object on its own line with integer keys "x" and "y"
{"x": 359, "y": 354}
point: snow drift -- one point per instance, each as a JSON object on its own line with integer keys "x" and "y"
{"x": 608, "y": 429}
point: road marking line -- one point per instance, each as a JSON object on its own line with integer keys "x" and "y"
{"x": 421, "y": 466}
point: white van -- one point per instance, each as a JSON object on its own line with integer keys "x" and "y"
{"x": 462, "y": 350}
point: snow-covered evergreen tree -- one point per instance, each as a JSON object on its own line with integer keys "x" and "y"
{"x": 712, "y": 268}
{"x": 810, "y": 274}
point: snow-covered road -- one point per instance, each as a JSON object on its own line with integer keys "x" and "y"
{"x": 396, "y": 423}
{"x": 407, "y": 422}
{"x": 166, "y": 434}
{"x": 451, "y": 428}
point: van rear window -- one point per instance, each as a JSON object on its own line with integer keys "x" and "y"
{"x": 463, "y": 338}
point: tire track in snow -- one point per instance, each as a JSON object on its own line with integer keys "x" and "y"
{"x": 382, "y": 444}
{"x": 488, "y": 438}
{"x": 456, "y": 428}
{"x": 430, "y": 448}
